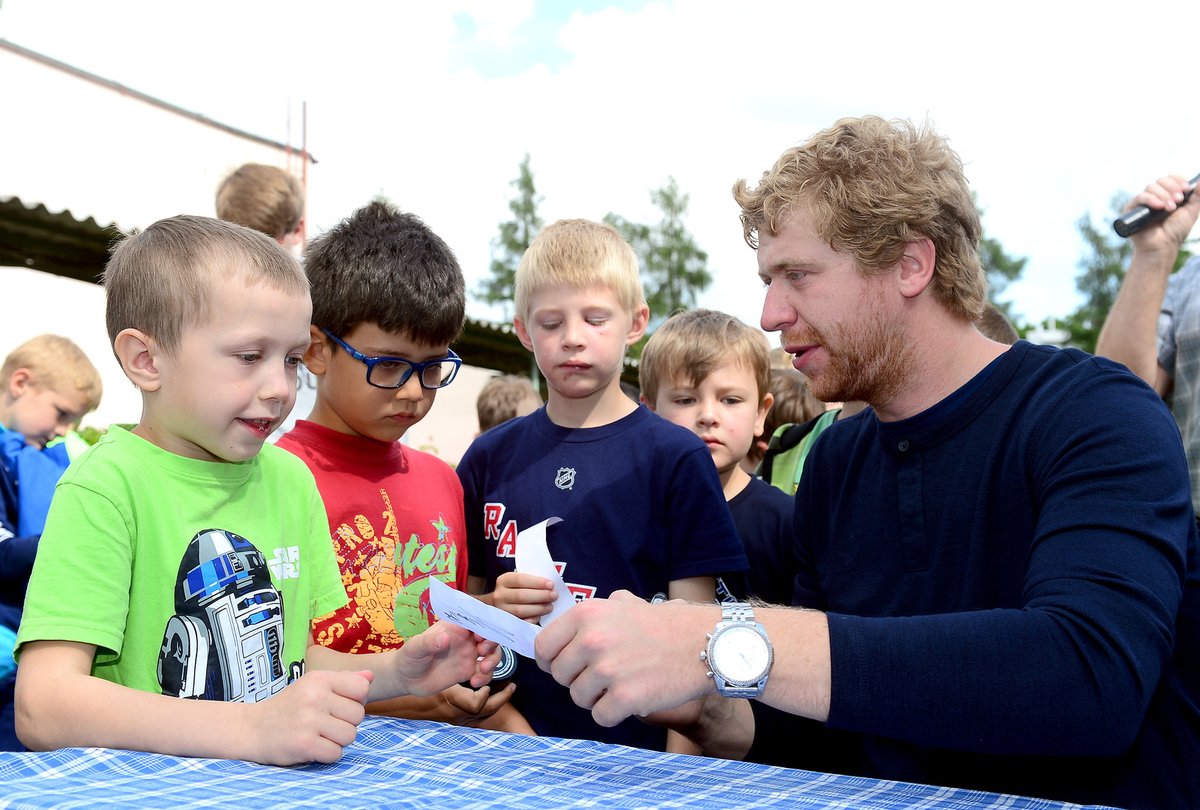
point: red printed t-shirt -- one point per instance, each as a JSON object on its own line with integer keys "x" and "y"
{"x": 396, "y": 519}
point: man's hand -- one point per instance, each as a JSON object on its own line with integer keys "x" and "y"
{"x": 526, "y": 596}
{"x": 311, "y": 720}
{"x": 622, "y": 656}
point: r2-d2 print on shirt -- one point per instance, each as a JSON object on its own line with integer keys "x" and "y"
{"x": 225, "y": 641}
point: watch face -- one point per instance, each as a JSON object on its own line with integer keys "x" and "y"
{"x": 741, "y": 655}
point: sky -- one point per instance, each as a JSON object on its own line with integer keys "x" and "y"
{"x": 1053, "y": 107}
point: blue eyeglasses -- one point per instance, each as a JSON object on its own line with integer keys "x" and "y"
{"x": 393, "y": 372}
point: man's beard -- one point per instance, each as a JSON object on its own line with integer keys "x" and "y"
{"x": 867, "y": 361}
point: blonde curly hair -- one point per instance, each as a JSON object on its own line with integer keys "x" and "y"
{"x": 870, "y": 186}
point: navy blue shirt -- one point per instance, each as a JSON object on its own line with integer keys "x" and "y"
{"x": 763, "y": 515}
{"x": 1013, "y": 589}
{"x": 641, "y": 505}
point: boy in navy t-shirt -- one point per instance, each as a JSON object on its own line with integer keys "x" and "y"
{"x": 640, "y": 500}
{"x": 710, "y": 373}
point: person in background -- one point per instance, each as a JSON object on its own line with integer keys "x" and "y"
{"x": 1152, "y": 325}
{"x": 388, "y": 300}
{"x": 49, "y": 386}
{"x": 994, "y": 325}
{"x": 266, "y": 199}
{"x": 270, "y": 200}
{"x": 708, "y": 372}
{"x": 186, "y": 529}
{"x": 999, "y": 582}
{"x": 504, "y": 397}
{"x": 639, "y": 498}
{"x": 794, "y": 406}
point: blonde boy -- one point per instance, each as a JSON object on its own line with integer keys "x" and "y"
{"x": 49, "y": 386}
{"x": 178, "y": 560}
{"x": 639, "y": 498}
{"x": 711, "y": 373}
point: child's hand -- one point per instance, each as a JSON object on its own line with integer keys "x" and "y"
{"x": 469, "y": 706}
{"x": 312, "y": 719}
{"x": 526, "y": 596}
{"x": 444, "y": 655}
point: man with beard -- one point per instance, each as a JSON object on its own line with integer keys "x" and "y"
{"x": 998, "y": 561}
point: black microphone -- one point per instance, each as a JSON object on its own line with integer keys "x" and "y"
{"x": 1143, "y": 216}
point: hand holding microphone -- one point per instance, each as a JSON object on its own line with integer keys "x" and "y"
{"x": 1144, "y": 216}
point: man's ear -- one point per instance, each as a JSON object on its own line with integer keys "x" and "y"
{"x": 316, "y": 356}
{"x": 916, "y": 267}
{"x": 138, "y": 354}
{"x": 641, "y": 319}
{"x": 522, "y": 333}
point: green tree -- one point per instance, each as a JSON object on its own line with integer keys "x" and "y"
{"x": 1103, "y": 271}
{"x": 1001, "y": 270}
{"x": 514, "y": 238}
{"x": 674, "y": 268}
{"x": 1103, "y": 266}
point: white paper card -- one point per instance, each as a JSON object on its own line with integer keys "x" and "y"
{"x": 490, "y": 622}
{"x": 533, "y": 557}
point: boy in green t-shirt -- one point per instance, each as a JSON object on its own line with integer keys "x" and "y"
{"x": 180, "y": 561}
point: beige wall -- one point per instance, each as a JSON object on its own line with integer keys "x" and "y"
{"x": 452, "y": 423}
{"x": 35, "y": 303}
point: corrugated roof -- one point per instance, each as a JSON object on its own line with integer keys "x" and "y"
{"x": 32, "y": 236}
{"x": 56, "y": 242}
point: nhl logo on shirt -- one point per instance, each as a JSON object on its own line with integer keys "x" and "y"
{"x": 565, "y": 478}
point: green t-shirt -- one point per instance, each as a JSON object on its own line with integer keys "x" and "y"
{"x": 191, "y": 578}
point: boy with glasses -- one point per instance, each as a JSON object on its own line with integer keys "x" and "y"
{"x": 388, "y": 300}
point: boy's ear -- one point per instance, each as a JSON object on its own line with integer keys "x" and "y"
{"x": 138, "y": 354}
{"x": 18, "y": 382}
{"x": 641, "y": 320}
{"x": 316, "y": 356}
{"x": 764, "y": 408}
{"x": 522, "y": 333}
{"x": 642, "y": 399}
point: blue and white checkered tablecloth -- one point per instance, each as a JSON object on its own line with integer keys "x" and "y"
{"x": 406, "y": 763}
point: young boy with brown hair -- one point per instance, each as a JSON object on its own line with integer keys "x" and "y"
{"x": 640, "y": 501}
{"x": 710, "y": 373}
{"x": 270, "y": 200}
{"x": 266, "y": 199}
{"x": 183, "y": 558}
{"x": 504, "y": 397}
{"x": 388, "y": 300}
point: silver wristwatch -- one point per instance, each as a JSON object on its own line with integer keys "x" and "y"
{"x": 739, "y": 654}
